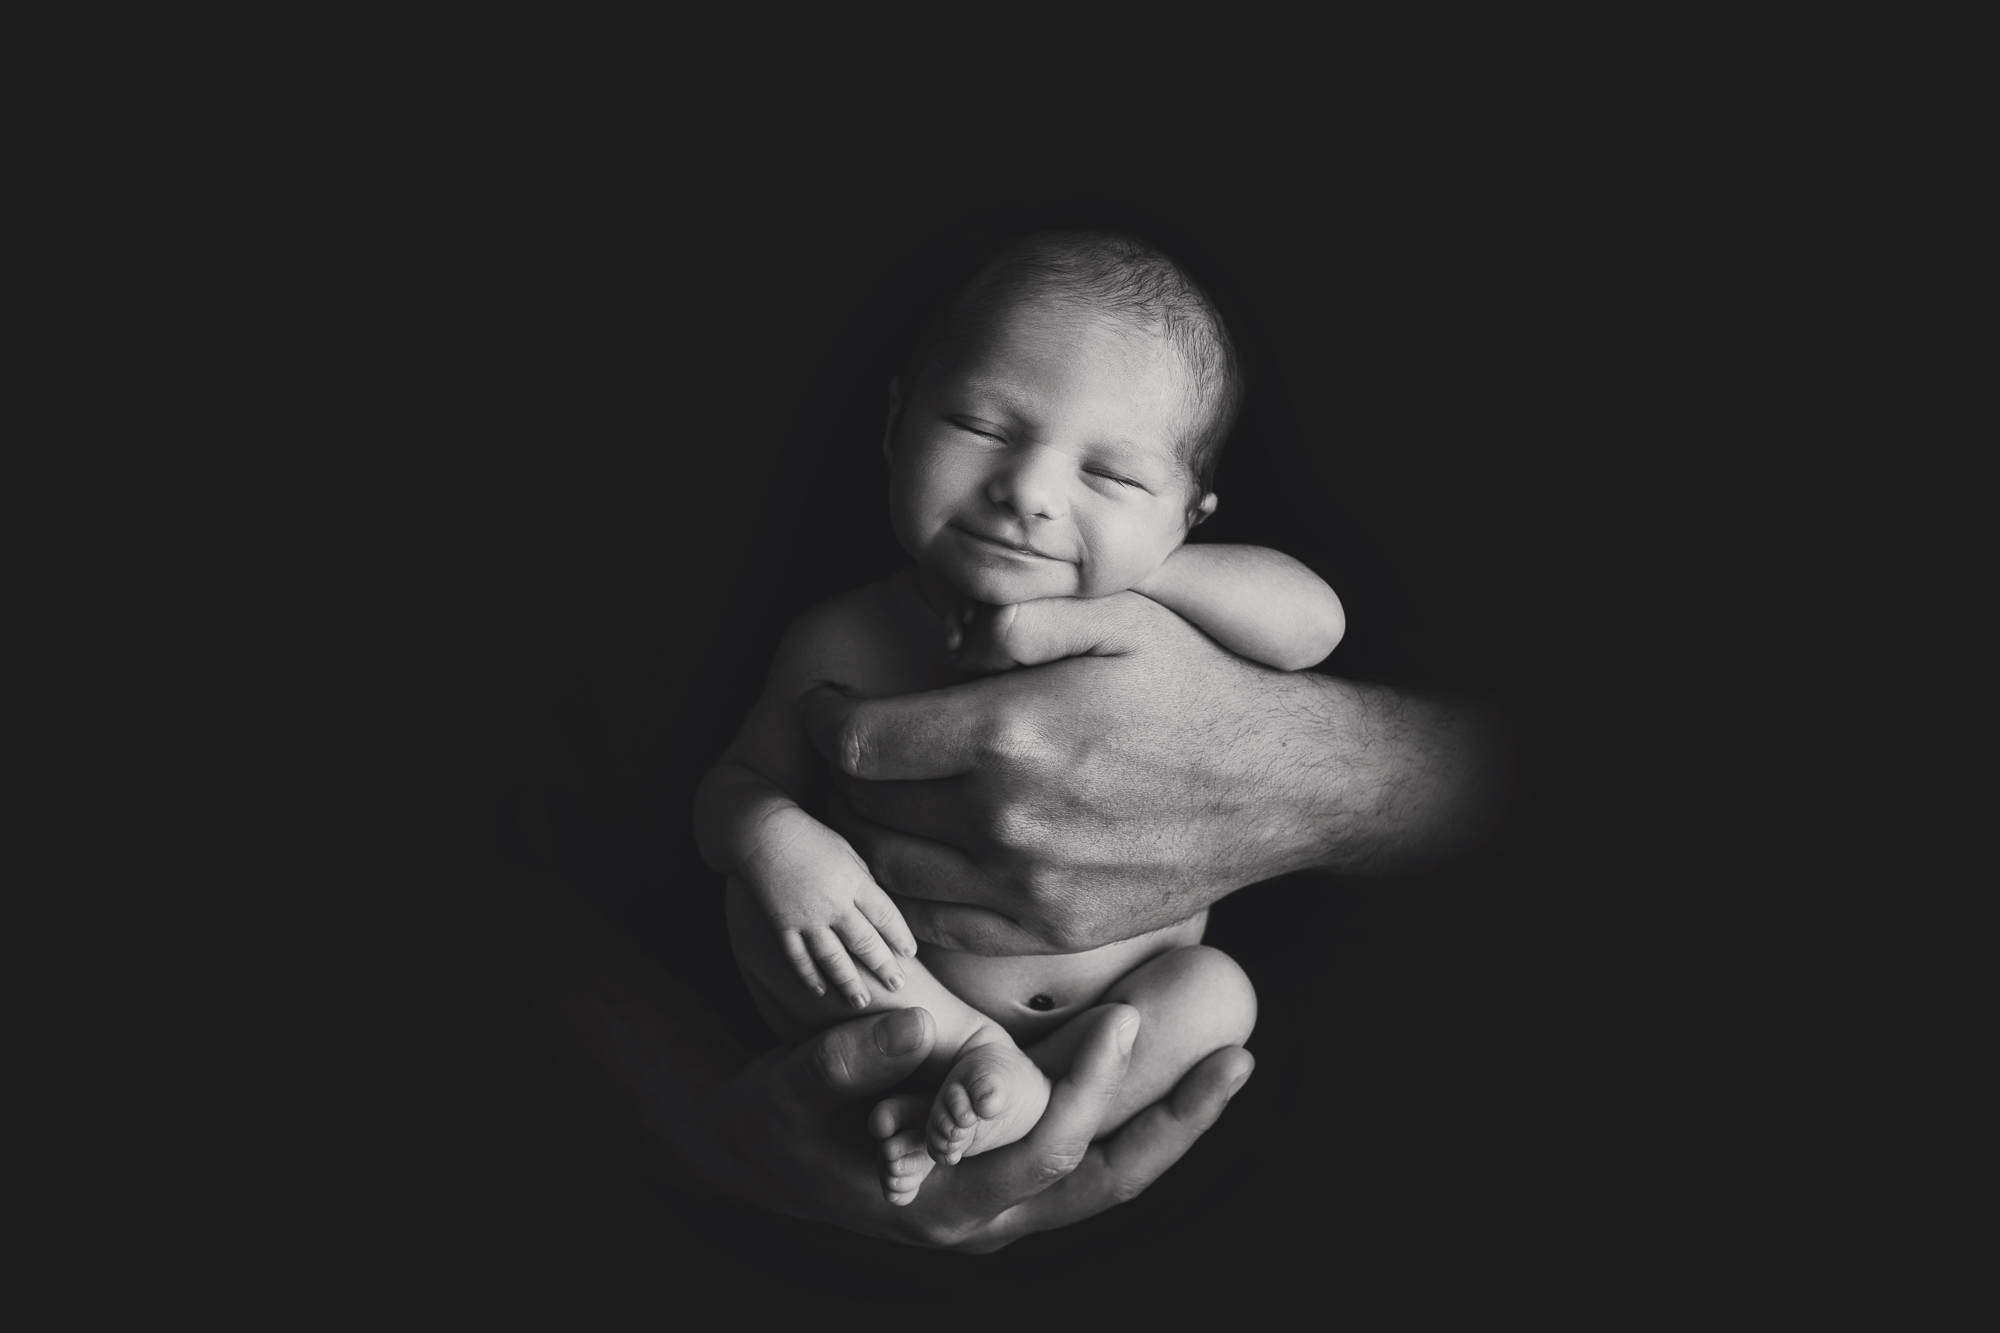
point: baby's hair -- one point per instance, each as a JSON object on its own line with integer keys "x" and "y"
{"x": 1114, "y": 274}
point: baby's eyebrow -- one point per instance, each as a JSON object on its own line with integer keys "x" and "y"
{"x": 993, "y": 398}
{"x": 1133, "y": 454}
{"x": 989, "y": 398}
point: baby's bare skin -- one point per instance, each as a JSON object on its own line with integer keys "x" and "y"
{"x": 1045, "y": 462}
{"x": 1003, "y": 1022}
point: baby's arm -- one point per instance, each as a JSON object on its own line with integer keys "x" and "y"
{"x": 810, "y": 884}
{"x": 1256, "y": 602}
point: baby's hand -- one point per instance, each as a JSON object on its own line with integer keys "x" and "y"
{"x": 824, "y": 906}
{"x": 955, "y": 623}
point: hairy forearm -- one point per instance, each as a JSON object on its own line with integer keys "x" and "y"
{"x": 1391, "y": 779}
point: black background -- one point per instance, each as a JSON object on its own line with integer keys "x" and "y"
{"x": 533, "y": 374}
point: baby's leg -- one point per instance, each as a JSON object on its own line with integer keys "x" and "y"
{"x": 1192, "y": 1002}
{"x": 993, "y": 1096}
{"x": 795, "y": 1013}
{"x": 992, "y": 1093}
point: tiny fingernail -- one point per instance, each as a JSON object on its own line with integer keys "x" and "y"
{"x": 859, "y": 999}
{"x": 900, "y": 1033}
{"x": 894, "y": 981}
{"x": 1236, "y": 1085}
{"x": 1128, "y": 1031}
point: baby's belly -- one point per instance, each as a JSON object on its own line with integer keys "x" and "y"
{"x": 1033, "y": 994}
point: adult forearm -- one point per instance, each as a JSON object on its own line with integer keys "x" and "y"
{"x": 1392, "y": 779}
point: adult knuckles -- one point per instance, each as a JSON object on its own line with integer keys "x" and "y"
{"x": 830, "y": 1064}
{"x": 1062, "y": 933}
{"x": 1015, "y": 739}
{"x": 1122, "y": 1188}
{"x": 853, "y": 750}
{"x": 1012, "y": 826}
{"x": 1054, "y": 1164}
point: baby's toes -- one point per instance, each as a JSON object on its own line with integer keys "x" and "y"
{"x": 986, "y": 1092}
{"x": 952, "y": 1124}
{"x": 892, "y": 1115}
{"x": 903, "y": 1175}
{"x": 954, "y": 1107}
{"x": 903, "y": 1143}
{"x": 948, "y": 1145}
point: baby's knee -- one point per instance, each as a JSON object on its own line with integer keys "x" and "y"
{"x": 1225, "y": 992}
{"x": 1202, "y": 990}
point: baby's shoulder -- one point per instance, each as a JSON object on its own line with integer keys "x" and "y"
{"x": 874, "y": 640}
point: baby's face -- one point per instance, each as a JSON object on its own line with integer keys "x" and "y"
{"x": 1046, "y": 464}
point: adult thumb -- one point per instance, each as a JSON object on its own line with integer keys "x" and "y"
{"x": 860, "y": 1058}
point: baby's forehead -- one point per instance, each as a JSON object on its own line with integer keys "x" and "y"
{"x": 1071, "y": 318}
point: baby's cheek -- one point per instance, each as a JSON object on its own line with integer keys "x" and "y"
{"x": 1117, "y": 565}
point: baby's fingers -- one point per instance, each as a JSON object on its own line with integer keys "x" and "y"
{"x": 881, "y": 912}
{"x": 868, "y": 948}
{"x": 832, "y": 958}
{"x": 801, "y": 960}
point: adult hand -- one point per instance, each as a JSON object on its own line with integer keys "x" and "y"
{"x": 785, "y": 1133}
{"x": 1129, "y": 775}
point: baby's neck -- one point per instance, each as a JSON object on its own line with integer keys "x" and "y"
{"x": 945, "y": 601}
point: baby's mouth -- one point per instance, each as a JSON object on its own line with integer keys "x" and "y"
{"x": 1006, "y": 544}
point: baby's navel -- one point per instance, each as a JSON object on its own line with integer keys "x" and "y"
{"x": 1041, "y": 1002}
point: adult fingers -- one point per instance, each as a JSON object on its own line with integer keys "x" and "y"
{"x": 1120, "y": 1168}
{"x": 942, "y": 809}
{"x": 912, "y": 864}
{"x": 943, "y": 897}
{"x": 935, "y": 734}
{"x": 1077, "y": 1103}
{"x": 858, "y": 1059}
{"x": 972, "y": 929}
{"x": 1158, "y": 1136}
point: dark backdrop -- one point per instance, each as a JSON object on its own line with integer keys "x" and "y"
{"x": 1543, "y": 390}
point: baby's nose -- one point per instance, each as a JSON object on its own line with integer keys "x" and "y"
{"x": 1033, "y": 483}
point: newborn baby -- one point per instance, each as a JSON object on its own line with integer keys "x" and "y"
{"x": 1054, "y": 435}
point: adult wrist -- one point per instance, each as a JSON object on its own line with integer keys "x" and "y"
{"x": 1402, "y": 780}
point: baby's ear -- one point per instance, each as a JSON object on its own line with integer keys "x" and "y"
{"x": 1204, "y": 509}
{"x": 895, "y": 417}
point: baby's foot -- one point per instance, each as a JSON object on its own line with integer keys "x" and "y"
{"x": 993, "y": 1096}
{"x": 898, "y": 1122}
